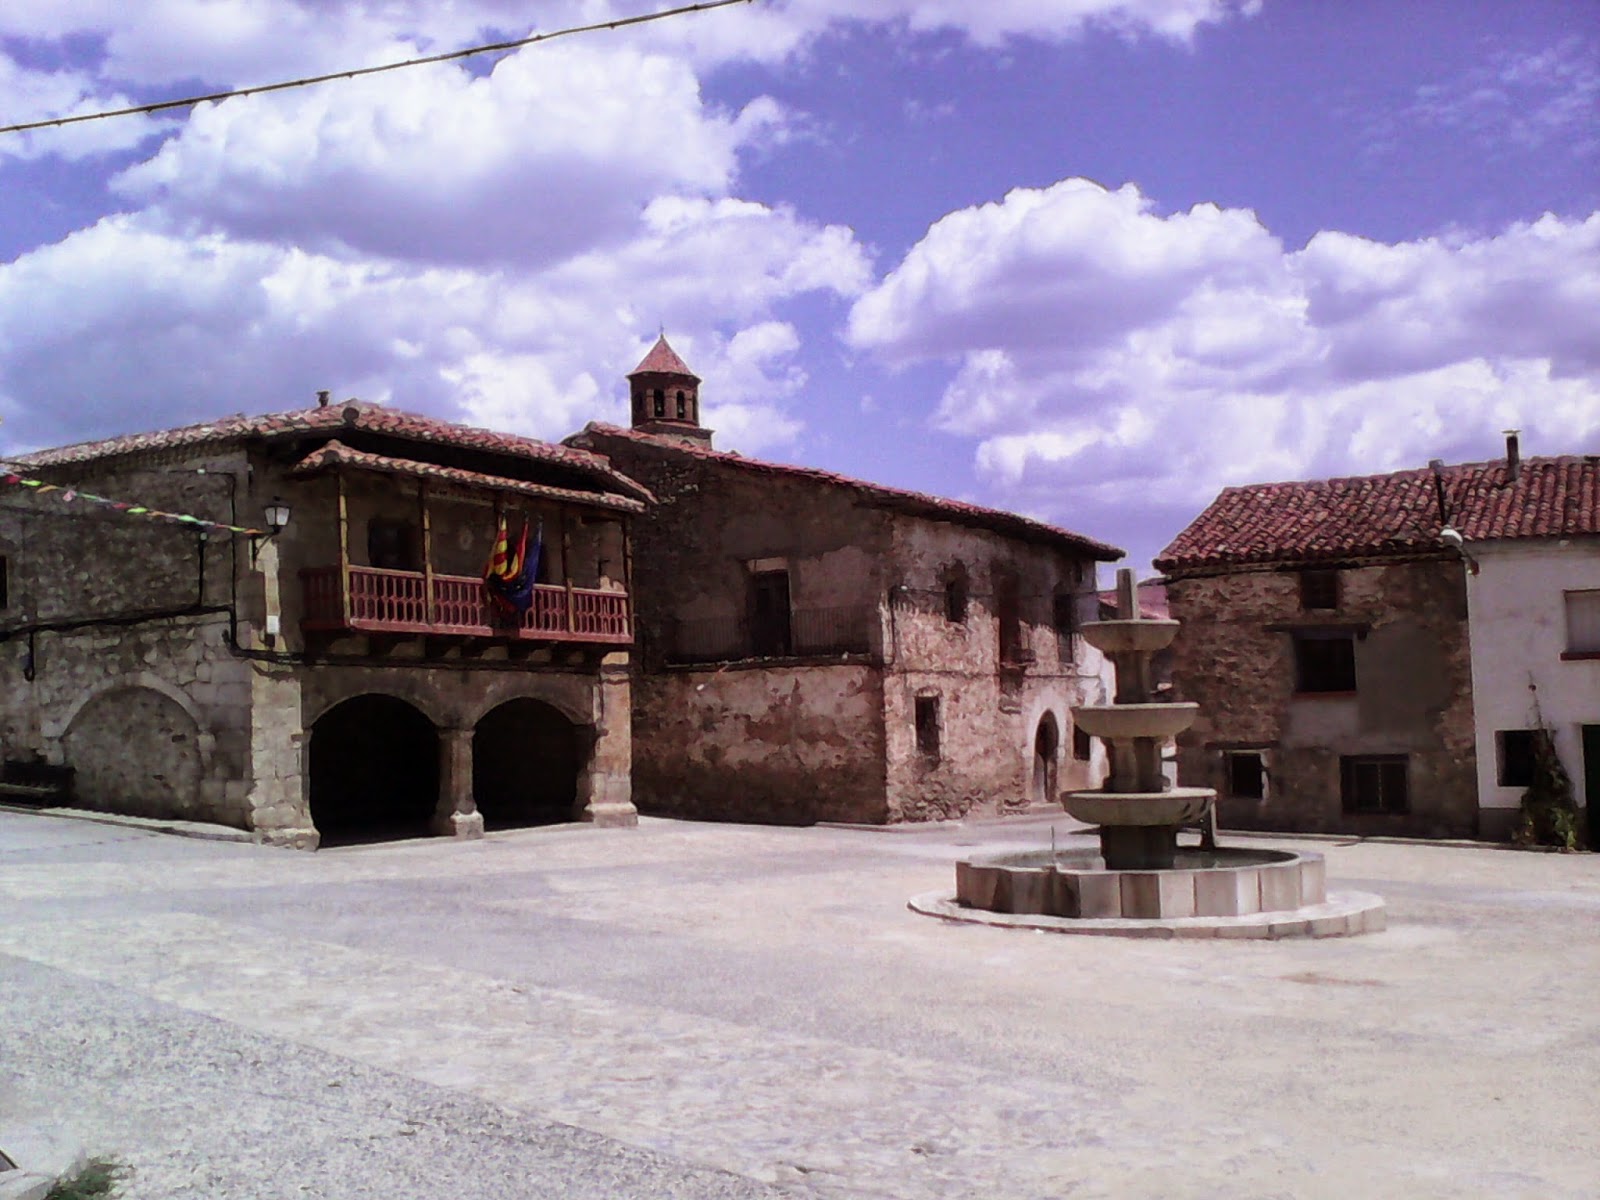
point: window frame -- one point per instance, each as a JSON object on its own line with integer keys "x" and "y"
{"x": 1511, "y": 765}
{"x": 1582, "y": 627}
{"x": 1082, "y": 744}
{"x": 927, "y": 719}
{"x": 1230, "y": 760}
{"x": 957, "y": 595}
{"x": 1312, "y": 678}
{"x": 1378, "y": 768}
{"x": 1318, "y": 584}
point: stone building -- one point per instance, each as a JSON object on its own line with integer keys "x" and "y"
{"x": 1325, "y": 638}
{"x": 814, "y": 647}
{"x": 343, "y": 677}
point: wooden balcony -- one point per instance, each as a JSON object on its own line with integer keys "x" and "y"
{"x": 398, "y": 602}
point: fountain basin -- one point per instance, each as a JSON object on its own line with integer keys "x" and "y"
{"x": 1176, "y": 806}
{"x": 1124, "y": 637}
{"x": 1224, "y": 892}
{"x": 1124, "y": 721}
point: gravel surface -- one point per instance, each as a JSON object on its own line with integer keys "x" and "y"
{"x": 700, "y": 1010}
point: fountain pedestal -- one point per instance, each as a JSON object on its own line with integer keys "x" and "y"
{"x": 1141, "y": 884}
{"x": 1138, "y": 812}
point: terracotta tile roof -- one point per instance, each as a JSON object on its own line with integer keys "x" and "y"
{"x": 336, "y": 453}
{"x": 1152, "y": 595}
{"x": 898, "y": 499}
{"x": 353, "y": 415}
{"x": 662, "y": 360}
{"x": 1396, "y": 514}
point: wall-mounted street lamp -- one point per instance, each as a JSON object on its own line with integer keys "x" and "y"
{"x": 1451, "y": 537}
{"x": 276, "y": 514}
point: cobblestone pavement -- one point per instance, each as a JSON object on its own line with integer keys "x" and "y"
{"x": 700, "y": 1010}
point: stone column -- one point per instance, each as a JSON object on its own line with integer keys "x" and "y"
{"x": 605, "y": 780}
{"x": 277, "y": 799}
{"x": 457, "y": 814}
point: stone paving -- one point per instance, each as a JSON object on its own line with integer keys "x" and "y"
{"x": 699, "y": 1010}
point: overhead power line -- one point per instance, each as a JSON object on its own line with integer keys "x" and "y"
{"x": 307, "y": 81}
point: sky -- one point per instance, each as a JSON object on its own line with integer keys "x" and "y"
{"x": 1089, "y": 260}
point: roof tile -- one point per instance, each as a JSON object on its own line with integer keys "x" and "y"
{"x": 1394, "y": 514}
{"x": 917, "y": 503}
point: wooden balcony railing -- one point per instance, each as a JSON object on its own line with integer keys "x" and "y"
{"x": 381, "y": 601}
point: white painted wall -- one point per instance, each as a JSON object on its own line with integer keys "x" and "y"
{"x": 1517, "y": 625}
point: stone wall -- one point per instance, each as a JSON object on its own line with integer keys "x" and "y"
{"x": 821, "y": 737}
{"x": 113, "y": 641}
{"x": 989, "y": 712}
{"x": 765, "y": 745}
{"x": 1235, "y": 657}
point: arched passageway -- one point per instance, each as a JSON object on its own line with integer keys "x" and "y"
{"x": 525, "y": 761}
{"x": 136, "y": 751}
{"x": 1046, "y": 752}
{"x": 374, "y": 766}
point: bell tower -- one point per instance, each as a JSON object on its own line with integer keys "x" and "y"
{"x": 665, "y": 396}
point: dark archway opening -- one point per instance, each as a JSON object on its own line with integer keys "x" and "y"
{"x": 374, "y": 765}
{"x": 1046, "y": 750}
{"x": 525, "y": 761}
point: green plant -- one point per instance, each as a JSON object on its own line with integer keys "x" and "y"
{"x": 1549, "y": 812}
{"x": 99, "y": 1179}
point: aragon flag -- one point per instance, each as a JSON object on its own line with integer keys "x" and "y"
{"x": 509, "y": 576}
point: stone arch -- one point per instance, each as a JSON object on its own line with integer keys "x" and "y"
{"x": 1046, "y": 760}
{"x": 412, "y": 692}
{"x": 136, "y": 749}
{"x": 569, "y": 706}
{"x": 526, "y": 759}
{"x": 138, "y": 679}
{"x": 373, "y": 766}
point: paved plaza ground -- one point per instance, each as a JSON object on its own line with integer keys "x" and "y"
{"x": 718, "y": 1011}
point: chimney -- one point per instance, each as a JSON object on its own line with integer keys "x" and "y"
{"x": 1513, "y": 456}
{"x": 322, "y": 399}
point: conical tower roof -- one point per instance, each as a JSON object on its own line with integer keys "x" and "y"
{"x": 663, "y": 360}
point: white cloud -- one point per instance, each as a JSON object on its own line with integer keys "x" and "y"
{"x": 1531, "y": 99}
{"x": 129, "y": 325}
{"x": 1105, "y": 350}
{"x": 546, "y": 156}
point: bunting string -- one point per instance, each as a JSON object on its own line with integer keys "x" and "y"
{"x": 69, "y": 495}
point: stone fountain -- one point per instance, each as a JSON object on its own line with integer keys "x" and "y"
{"x": 1141, "y": 882}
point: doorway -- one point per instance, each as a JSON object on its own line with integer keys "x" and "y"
{"x": 1046, "y": 752}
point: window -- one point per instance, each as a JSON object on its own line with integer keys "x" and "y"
{"x": 1247, "y": 774}
{"x": 928, "y": 727}
{"x": 1518, "y": 753}
{"x": 1324, "y": 662}
{"x": 955, "y": 595}
{"x": 1082, "y": 745}
{"x": 1583, "y": 622}
{"x": 770, "y": 614}
{"x": 1319, "y": 590}
{"x": 683, "y": 407}
{"x": 1008, "y": 607}
{"x": 392, "y": 545}
{"x": 1066, "y": 623}
{"x": 661, "y": 402}
{"x": 1374, "y": 783}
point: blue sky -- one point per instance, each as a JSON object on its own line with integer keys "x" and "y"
{"x": 1087, "y": 259}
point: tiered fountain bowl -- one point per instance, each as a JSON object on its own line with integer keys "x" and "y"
{"x": 1141, "y": 882}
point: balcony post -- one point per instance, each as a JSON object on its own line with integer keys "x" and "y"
{"x": 344, "y": 550}
{"x": 566, "y": 569}
{"x": 627, "y": 575}
{"x": 427, "y": 553}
